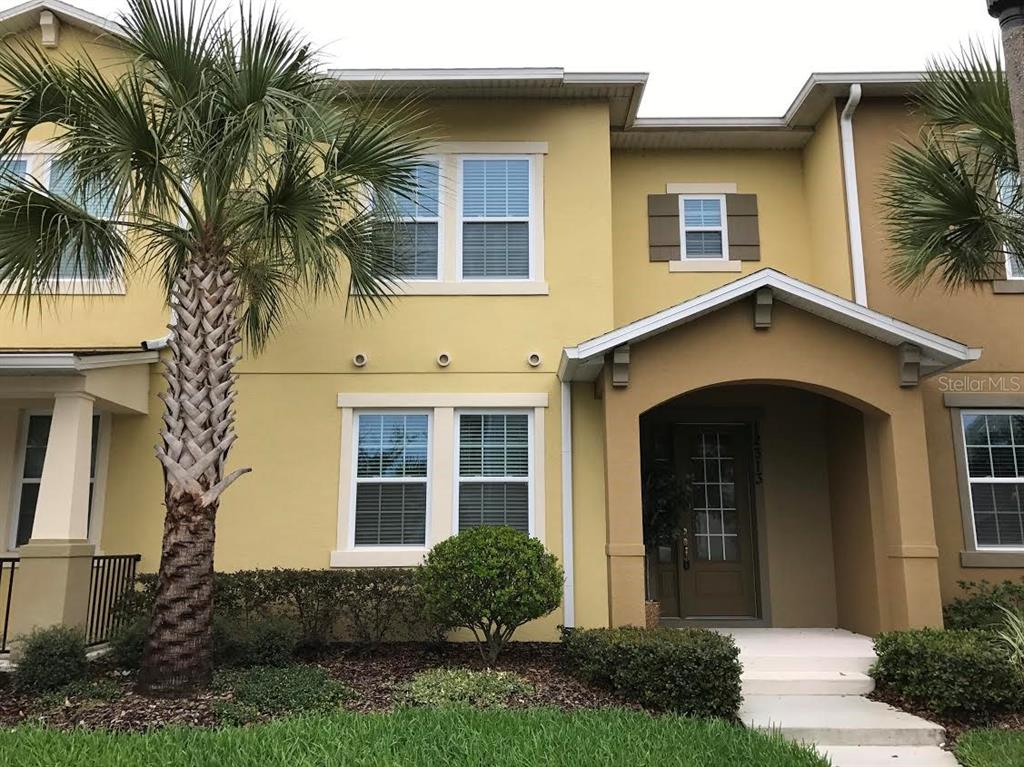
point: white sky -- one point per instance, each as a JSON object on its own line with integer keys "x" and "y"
{"x": 726, "y": 57}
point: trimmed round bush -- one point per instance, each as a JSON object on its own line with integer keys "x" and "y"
{"x": 980, "y": 603}
{"x": 962, "y": 674}
{"x": 490, "y": 580}
{"x": 464, "y": 687}
{"x": 694, "y": 672}
{"x": 50, "y": 659}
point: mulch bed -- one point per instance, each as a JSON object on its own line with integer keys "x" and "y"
{"x": 954, "y": 727}
{"x": 373, "y": 676}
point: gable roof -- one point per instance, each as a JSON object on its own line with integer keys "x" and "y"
{"x": 583, "y": 361}
{"x": 25, "y": 16}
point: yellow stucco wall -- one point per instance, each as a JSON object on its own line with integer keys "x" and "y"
{"x": 775, "y": 176}
{"x": 825, "y": 197}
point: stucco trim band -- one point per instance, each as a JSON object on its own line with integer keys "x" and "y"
{"x": 495, "y": 400}
{"x": 625, "y": 550}
{"x": 988, "y": 399}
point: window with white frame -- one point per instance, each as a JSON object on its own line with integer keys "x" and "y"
{"x": 703, "y": 223}
{"x": 495, "y": 227}
{"x": 994, "y": 448}
{"x": 1008, "y": 184}
{"x": 494, "y": 477}
{"x": 392, "y": 470}
{"x": 418, "y": 242}
{"x": 36, "y": 437}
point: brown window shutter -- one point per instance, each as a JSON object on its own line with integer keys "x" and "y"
{"x": 663, "y": 227}
{"x": 744, "y": 234}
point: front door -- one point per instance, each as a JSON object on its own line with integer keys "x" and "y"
{"x": 717, "y": 554}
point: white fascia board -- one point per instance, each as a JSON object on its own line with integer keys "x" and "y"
{"x": 448, "y": 75}
{"x": 69, "y": 362}
{"x": 66, "y": 12}
{"x": 941, "y": 352}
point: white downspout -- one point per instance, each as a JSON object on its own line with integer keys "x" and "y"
{"x": 569, "y": 594}
{"x": 860, "y": 288}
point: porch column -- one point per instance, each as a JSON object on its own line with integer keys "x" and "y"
{"x": 625, "y": 546}
{"x": 52, "y": 583}
{"x": 915, "y": 600}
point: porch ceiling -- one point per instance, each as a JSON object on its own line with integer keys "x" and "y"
{"x": 584, "y": 361}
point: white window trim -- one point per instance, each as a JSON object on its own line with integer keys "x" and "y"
{"x": 439, "y": 219}
{"x": 39, "y": 166}
{"x": 531, "y": 462}
{"x": 985, "y": 480}
{"x": 442, "y": 467}
{"x": 723, "y": 228}
{"x": 1009, "y": 267}
{"x": 99, "y": 480}
{"x": 535, "y": 227}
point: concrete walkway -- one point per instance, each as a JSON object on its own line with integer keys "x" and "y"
{"x": 809, "y": 685}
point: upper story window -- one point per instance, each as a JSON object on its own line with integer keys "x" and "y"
{"x": 1008, "y": 191}
{"x": 702, "y": 220}
{"x": 994, "y": 447}
{"x": 419, "y": 237}
{"x": 495, "y": 209}
{"x": 391, "y": 479}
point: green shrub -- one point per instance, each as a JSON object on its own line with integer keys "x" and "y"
{"x": 269, "y": 641}
{"x": 51, "y": 658}
{"x": 687, "y": 671}
{"x": 266, "y": 692}
{"x": 490, "y": 580}
{"x": 379, "y": 601}
{"x": 979, "y": 605}
{"x": 463, "y": 687}
{"x": 128, "y": 644}
{"x": 963, "y": 674}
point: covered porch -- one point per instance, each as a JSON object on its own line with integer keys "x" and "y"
{"x": 56, "y": 414}
{"x": 786, "y": 427}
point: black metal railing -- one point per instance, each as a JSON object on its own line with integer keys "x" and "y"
{"x": 7, "y": 567}
{"x": 112, "y": 576}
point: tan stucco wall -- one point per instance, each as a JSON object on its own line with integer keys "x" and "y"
{"x": 809, "y": 352}
{"x": 776, "y": 177}
{"x": 793, "y": 503}
{"x": 975, "y": 316}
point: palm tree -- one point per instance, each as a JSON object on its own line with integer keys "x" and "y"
{"x": 953, "y": 198}
{"x": 238, "y": 172}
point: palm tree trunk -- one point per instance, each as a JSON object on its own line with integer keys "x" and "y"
{"x": 196, "y": 437}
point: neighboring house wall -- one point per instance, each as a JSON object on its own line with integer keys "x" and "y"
{"x": 974, "y": 315}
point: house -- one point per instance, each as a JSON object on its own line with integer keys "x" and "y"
{"x": 594, "y": 298}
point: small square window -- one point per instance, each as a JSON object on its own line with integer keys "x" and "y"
{"x": 704, "y": 235}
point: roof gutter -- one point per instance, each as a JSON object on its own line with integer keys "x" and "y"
{"x": 860, "y": 288}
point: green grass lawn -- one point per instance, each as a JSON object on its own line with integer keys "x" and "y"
{"x": 411, "y": 737}
{"x": 991, "y": 748}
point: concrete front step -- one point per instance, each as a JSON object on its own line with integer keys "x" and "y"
{"x": 888, "y": 756}
{"x": 838, "y": 720}
{"x": 806, "y": 683}
{"x": 803, "y": 650}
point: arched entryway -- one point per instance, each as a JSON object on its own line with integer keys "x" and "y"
{"x": 756, "y": 506}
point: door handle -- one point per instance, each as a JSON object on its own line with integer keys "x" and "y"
{"x": 686, "y": 549}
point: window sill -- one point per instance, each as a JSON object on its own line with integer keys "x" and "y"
{"x": 79, "y": 288}
{"x": 379, "y": 557}
{"x": 991, "y": 558}
{"x": 474, "y": 288}
{"x": 1008, "y": 286}
{"x": 705, "y": 266}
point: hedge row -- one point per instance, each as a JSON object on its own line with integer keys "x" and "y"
{"x": 687, "y": 671}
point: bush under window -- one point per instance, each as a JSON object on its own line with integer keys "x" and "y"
{"x": 490, "y": 580}
{"x": 978, "y": 607}
{"x": 687, "y": 671}
{"x": 51, "y": 658}
{"x": 962, "y": 674}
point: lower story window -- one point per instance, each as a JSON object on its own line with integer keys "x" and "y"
{"x": 37, "y": 435}
{"x": 391, "y": 479}
{"x": 994, "y": 446}
{"x": 494, "y": 470}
